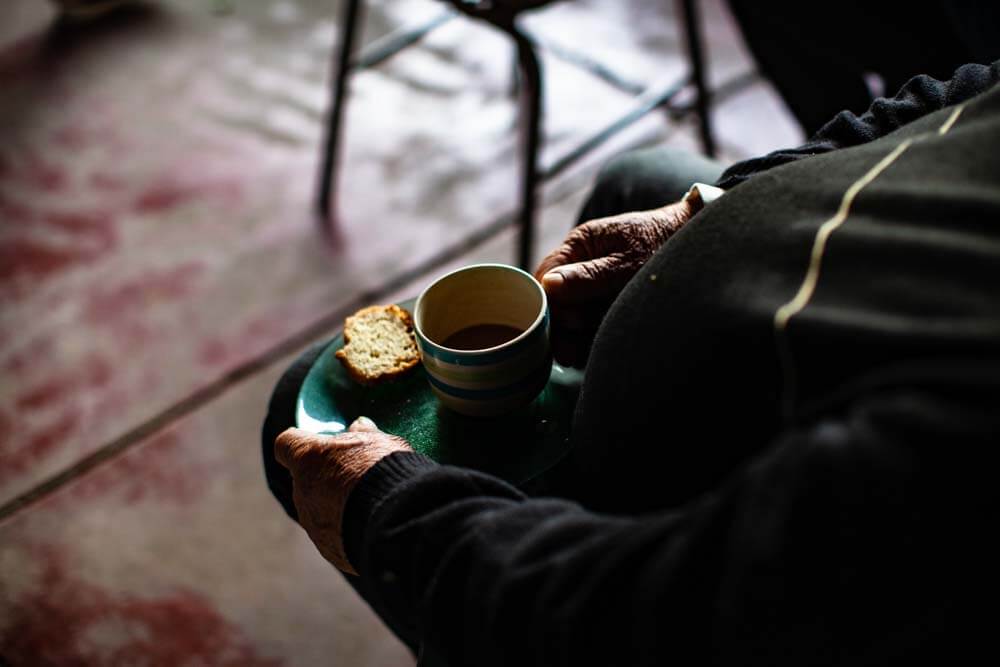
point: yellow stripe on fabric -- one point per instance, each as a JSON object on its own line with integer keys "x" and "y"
{"x": 808, "y": 287}
{"x": 784, "y": 314}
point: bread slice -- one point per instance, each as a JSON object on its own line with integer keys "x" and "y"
{"x": 379, "y": 344}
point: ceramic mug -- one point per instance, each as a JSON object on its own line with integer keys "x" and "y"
{"x": 483, "y": 335}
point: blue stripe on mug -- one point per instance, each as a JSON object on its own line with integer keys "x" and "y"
{"x": 475, "y": 358}
{"x": 496, "y": 375}
{"x": 538, "y": 376}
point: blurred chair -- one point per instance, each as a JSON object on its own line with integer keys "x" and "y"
{"x": 530, "y": 86}
{"x": 87, "y": 9}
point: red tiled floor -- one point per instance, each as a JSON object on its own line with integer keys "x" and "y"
{"x": 175, "y": 553}
{"x": 157, "y": 248}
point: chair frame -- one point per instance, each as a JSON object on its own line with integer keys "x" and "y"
{"x": 530, "y": 89}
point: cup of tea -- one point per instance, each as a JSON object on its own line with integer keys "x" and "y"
{"x": 483, "y": 335}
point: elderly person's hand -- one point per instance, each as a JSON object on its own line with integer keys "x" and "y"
{"x": 325, "y": 469}
{"x": 584, "y": 275}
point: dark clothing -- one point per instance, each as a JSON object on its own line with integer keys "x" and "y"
{"x": 818, "y": 59}
{"x": 638, "y": 180}
{"x": 720, "y": 506}
{"x": 920, "y": 96}
{"x": 899, "y": 280}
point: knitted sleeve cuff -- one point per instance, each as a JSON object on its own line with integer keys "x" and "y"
{"x": 375, "y": 485}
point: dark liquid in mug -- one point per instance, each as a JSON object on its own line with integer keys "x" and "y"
{"x": 481, "y": 336}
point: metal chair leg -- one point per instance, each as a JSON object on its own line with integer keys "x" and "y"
{"x": 515, "y": 75}
{"x": 530, "y": 123}
{"x": 326, "y": 203}
{"x": 692, "y": 32}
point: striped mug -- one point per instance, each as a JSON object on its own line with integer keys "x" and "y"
{"x": 483, "y": 334}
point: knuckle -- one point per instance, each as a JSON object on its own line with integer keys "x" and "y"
{"x": 584, "y": 232}
{"x": 592, "y": 271}
{"x": 552, "y": 260}
{"x": 303, "y": 452}
{"x": 635, "y": 244}
{"x": 286, "y": 446}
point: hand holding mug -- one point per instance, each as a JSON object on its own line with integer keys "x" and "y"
{"x": 585, "y": 274}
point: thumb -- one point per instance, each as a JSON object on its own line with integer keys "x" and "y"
{"x": 583, "y": 281}
{"x": 363, "y": 424}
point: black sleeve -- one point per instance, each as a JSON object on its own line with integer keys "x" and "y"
{"x": 831, "y": 545}
{"x": 920, "y": 96}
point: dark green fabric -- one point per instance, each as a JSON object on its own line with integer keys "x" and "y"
{"x": 646, "y": 179}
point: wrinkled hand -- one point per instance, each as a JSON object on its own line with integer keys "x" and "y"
{"x": 584, "y": 275}
{"x": 325, "y": 469}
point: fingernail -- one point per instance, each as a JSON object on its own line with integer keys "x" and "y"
{"x": 552, "y": 279}
{"x": 364, "y": 421}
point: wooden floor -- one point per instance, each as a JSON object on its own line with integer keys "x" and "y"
{"x": 160, "y": 266}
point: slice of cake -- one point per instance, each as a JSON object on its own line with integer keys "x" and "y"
{"x": 379, "y": 344}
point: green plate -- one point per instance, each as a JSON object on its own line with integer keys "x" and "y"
{"x": 515, "y": 447}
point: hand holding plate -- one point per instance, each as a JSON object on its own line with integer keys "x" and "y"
{"x": 325, "y": 469}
